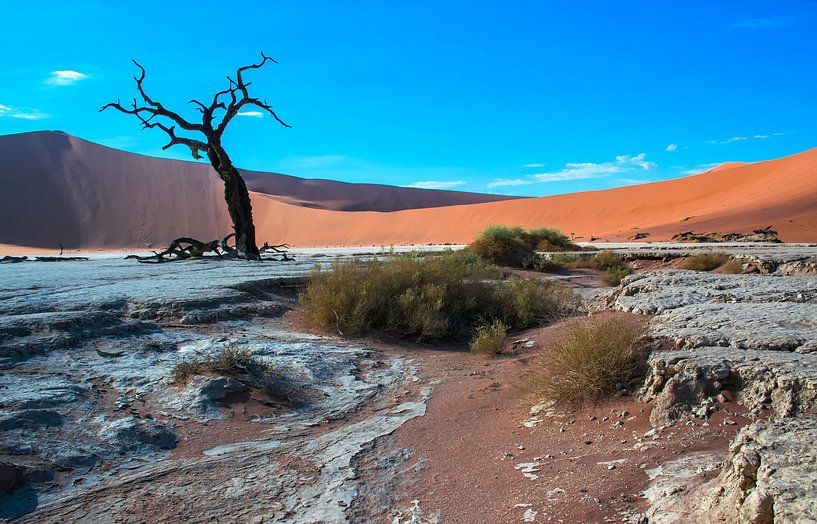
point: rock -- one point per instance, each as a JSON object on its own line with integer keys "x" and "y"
{"x": 131, "y": 433}
{"x": 29, "y": 419}
{"x": 203, "y": 395}
{"x": 11, "y": 476}
{"x": 769, "y": 476}
{"x": 681, "y": 382}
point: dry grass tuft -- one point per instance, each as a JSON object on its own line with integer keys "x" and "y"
{"x": 614, "y": 275}
{"x": 594, "y": 358}
{"x": 489, "y": 339}
{"x": 733, "y": 267}
{"x": 242, "y": 365}
{"x": 704, "y": 261}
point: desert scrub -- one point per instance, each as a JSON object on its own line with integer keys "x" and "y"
{"x": 704, "y": 261}
{"x": 592, "y": 359}
{"x": 733, "y": 267}
{"x": 614, "y": 275}
{"x": 515, "y": 247}
{"x": 432, "y": 297}
{"x": 243, "y": 366}
{"x": 489, "y": 339}
{"x": 614, "y": 266}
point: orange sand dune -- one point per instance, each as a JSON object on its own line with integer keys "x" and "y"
{"x": 732, "y": 198}
{"x": 58, "y": 188}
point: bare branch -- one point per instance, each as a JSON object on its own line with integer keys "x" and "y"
{"x": 158, "y": 108}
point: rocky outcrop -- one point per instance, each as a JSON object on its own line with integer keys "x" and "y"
{"x": 754, "y": 336}
{"x": 684, "y": 383}
{"x": 768, "y": 476}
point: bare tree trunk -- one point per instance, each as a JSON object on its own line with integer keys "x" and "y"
{"x": 238, "y": 203}
{"x": 240, "y": 208}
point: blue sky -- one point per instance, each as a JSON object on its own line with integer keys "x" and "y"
{"x": 528, "y": 98}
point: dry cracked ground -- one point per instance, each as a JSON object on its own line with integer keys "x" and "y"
{"x": 94, "y": 427}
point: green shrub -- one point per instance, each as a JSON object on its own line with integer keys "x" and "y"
{"x": 614, "y": 275}
{"x": 489, "y": 339}
{"x": 515, "y": 247}
{"x": 704, "y": 261}
{"x": 434, "y": 297}
{"x": 543, "y": 264}
{"x": 593, "y": 358}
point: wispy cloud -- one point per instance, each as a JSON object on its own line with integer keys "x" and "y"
{"x": 253, "y": 114}
{"x": 733, "y": 139}
{"x": 437, "y": 184}
{"x": 671, "y": 147}
{"x": 65, "y": 78}
{"x": 22, "y": 114}
{"x": 582, "y": 171}
{"x": 700, "y": 168}
{"x": 534, "y": 165}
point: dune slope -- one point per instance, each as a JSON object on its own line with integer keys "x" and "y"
{"x": 733, "y": 198}
{"x": 59, "y": 188}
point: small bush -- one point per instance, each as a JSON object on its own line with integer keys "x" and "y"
{"x": 614, "y": 275}
{"x": 515, "y": 247}
{"x": 489, "y": 339}
{"x": 246, "y": 368}
{"x": 184, "y": 369}
{"x": 433, "y": 297}
{"x": 592, "y": 359}
{"x": 543, "y": 264}
{"x": 704, "y": 261}
{"x": 733, "y": 267}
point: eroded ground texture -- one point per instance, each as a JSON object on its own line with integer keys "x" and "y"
{"x": 749, "y": 340}
{"x": 94, "y": 427}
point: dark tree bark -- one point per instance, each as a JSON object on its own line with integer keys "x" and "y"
{"x": 229, "y": 101}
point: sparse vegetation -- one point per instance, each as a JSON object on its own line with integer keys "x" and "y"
{"x": 433, "y": 297}
{"x": 614, "y": 266}
{"x": 515, "y": 247}
{"x": 245, "y": 367}
{"x": 733, "y": 267}
{"x": 614, "y": 275}
{"x": 489, "y": 339}
{"x": 593, "y": 358}
{"x": 704, "y": 261}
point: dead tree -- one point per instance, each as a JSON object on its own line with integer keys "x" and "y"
{"x": 227, "y": 104}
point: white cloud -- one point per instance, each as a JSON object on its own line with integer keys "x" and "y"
{"x": 582, "y": 171}
{"x": 700, "y": 168}
{"x": 510, "y": 182}
{"x": 671, "y": 147}
{"x": 437, "y": 184}
{"x": 65, "y": 78}
{"x": 254, "y": 114}
{"x": 734, "y": 139}
{"x": 534, "y": 165}
{"x": 28, "y": 114}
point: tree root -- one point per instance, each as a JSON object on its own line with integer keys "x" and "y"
{"x": 184, "y": 248}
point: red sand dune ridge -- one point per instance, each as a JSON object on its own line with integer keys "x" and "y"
{"x": 737, "y": 198}
{"x": 55, "y": 199}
